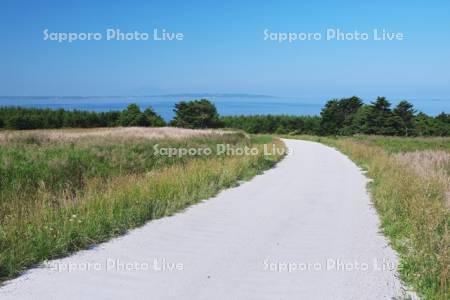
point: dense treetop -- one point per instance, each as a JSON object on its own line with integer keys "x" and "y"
{"x": 196, "y": 114}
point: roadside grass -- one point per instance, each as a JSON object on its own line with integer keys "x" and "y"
{"x": 411, "y": 192}
{"x": 406, "y": 144}
{"x": 59, "y": 194}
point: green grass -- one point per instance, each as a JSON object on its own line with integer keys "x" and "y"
{"x": 405, "y": 144}
{"x": 410, "y": 190}
{"x": 261, "y": 138}
{"x": 59, "y": 196}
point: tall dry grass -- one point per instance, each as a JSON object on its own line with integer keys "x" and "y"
{"x": 429, "y": 165}
{"x": 115, "y": 133}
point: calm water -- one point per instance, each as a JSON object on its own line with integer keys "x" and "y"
{"x": 225, "y": 105}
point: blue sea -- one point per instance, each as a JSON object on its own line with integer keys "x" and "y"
{"x": 226, "y": 105}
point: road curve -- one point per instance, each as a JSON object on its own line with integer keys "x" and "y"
{"x": 305, "y": 229}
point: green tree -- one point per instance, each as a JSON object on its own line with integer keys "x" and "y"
{"x": 18, "y": 122}
{"x": 360, "y": 122}
{"x": 393, "y": 125}
{"x": 337, "y": 116}
{"x": 379, "y": 119}
{"x": 196, "y": 114}
{"x": 443, "y": 117}
{"x": 405, "y": 111}
{"x": 281, "y": 130}
{"x": 330, "y": 118}
{"x": 274, "y": 124}
{"x": 153, "y": 118}
{"x": 425, "y": 125}
{"x": 132, "y": 116}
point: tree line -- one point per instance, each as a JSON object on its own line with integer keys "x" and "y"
{"x": 349, "y": 116}
{"x": 345, "y": 116}
{"x": 33, "y": 118}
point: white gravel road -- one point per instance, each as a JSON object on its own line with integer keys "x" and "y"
{"x": 303, "y": 230}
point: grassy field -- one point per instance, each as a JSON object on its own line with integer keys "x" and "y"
{"x": 63, "y": 190}
{"x": 411, "y": 192}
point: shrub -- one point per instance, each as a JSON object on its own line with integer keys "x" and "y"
{"x": 196, "y": 114}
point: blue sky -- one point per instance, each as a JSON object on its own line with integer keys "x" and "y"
{"x": 224, "y": 51}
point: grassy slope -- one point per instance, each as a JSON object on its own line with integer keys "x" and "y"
{"x": 58, "y": 196}
{"x": 412, "y": 201}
